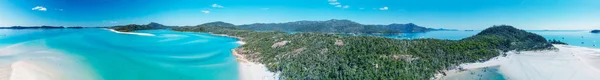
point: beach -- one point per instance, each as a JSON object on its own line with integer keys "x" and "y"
{"x": 253, "y": 71}
{"x": 249, "y": 70}
{"x": 566, "y": 63}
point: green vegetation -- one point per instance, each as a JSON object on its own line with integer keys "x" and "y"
{"x": 553, "y": 41}
{"x": 331, "y": 56}
{"x": 133, "y": 27}
{"x": 336, "y": 26}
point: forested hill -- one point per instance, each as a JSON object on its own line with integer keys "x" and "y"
{"x": 133, "y": 27}
{"x": 335, "y": 26}
{"x": 317, "y": 56}
{"x": 595, "y": 31}
{"x": 509, "y": 38}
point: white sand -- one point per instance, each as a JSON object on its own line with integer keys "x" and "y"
{"x": 5, "y": 71}
{"x": 23, "y": 70}
{"x": 240, "y": 42}
{"x": 253, "y": 71}
{"x": 33, "y": 60}
{"x": 567, "y": 63}
{"x": 141, "y": 34}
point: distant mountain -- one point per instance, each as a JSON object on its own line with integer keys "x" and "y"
{"x": 595, "y": 31}
{"x": 442, "y": 29}
{"x": 207, "y": 26}
{"x": 33, "y": 27}
{"x": 335, "y": 26}
{"x": 133, "y": 27}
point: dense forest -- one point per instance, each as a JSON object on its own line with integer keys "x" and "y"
{"x": 336, "y": 26}
{"x": 554, "y": 41}
{"x": 332, "y": 56}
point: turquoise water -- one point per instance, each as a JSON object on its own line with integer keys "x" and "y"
{"x": 486, "y": 73}
{"x": 572, "y": 37}
{"x": 101, "y": 54}
{"x": 111, "y": 56}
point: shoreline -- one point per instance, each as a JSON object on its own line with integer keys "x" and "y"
{"x": 568, "y": 62}
{"x": 249, "y": 70}
{"x": 141, "y": 34}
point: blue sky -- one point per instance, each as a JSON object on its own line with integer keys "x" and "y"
{"x": 455, "y": 14}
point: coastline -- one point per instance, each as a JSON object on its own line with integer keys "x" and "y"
{"x": 249, "y": 70}
{"x": 568, "y": 62}
{"x": 141, "y": 34}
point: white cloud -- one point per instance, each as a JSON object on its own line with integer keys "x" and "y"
{"x": 346, "y": 6}
{"x": 39, "y": 8}
{"x": 338, "y": 5}
{"x": 205, "y": 11}
{"x": 333, "y": 2}
{"x": 384, "y": 8}
{"x": 216, "y": 6}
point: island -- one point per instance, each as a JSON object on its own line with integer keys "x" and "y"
{"x": 33, "y": 27}
{"x": 47, "y": 27}
{"x": 314, "y": 55}
{"x": 133, "y": 27}
{"x": 595, "y": 31}
{"x": 337, "y": 26}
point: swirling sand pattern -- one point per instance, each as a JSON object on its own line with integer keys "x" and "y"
{"x": 115, "y": 56}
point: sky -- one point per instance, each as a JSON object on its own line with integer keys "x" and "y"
{"x": 449, "y": 14}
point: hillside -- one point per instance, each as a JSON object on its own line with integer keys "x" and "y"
{"x": 330, "y": 56}
{"x": 335, "y": 26}
{"x": 509, "y": 38}
{"x": 133, "y": 27}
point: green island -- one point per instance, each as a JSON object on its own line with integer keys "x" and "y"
{"x": 315, "y": 55}
{"x": 595, "y": 31}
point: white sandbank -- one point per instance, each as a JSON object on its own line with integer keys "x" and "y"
{"x": 141, "y": 34}
{"x": 33, "y": 60}
{"x": 566, "y": 63}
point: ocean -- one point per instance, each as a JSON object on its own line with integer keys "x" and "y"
{"x": 100, "y": 54}
{"x": 572, "y": 37}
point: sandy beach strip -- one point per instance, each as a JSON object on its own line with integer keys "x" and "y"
{"x": 141, "y": 34}
{"x": 566, "y": 63}
{"x": 249, "y": 70}
{"x": 253, "y": 71}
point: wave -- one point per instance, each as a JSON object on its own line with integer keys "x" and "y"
{"x": 141, "y": 34}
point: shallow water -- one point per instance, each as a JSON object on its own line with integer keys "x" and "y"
{"x": 572, "y": 37}
{"x": 486, "y": 73}
{"x": 111, "y": 56}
